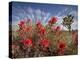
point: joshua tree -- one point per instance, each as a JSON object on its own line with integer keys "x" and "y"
{"x": 67, "y": 21}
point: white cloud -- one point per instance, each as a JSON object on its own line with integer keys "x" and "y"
{"x": 30, "y": 10}
{"x": 38, "y": 12}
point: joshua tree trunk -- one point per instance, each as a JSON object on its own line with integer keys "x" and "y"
{"x": 69, "y": 27}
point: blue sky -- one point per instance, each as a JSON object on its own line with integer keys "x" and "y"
{"x": 43, "y": 12}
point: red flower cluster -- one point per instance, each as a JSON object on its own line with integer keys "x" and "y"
{"x": 21, "y": 23}
{"x": 52, "y": 20}
{"x": 39, "y": 25}
{"x": 44, "y": 43}
{"x": 61, "y": 47}
{"x": 57, "y": 28}
{"x": 42, "y": 30}
{"x": 24, "y": 28}
{"x": 27, "y": 42}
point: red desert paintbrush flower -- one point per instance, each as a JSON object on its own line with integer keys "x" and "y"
{"x": 45, "y": 43}
{"x": 42, "y": 30}
{"x": 57, "y": 28}
{"x": 38, "y": 24}
{"x": 27, "y": 42}
{"x": 52, "y": 20}
{"x": 61, "y": 47}
{"x": 21, "y": 23}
